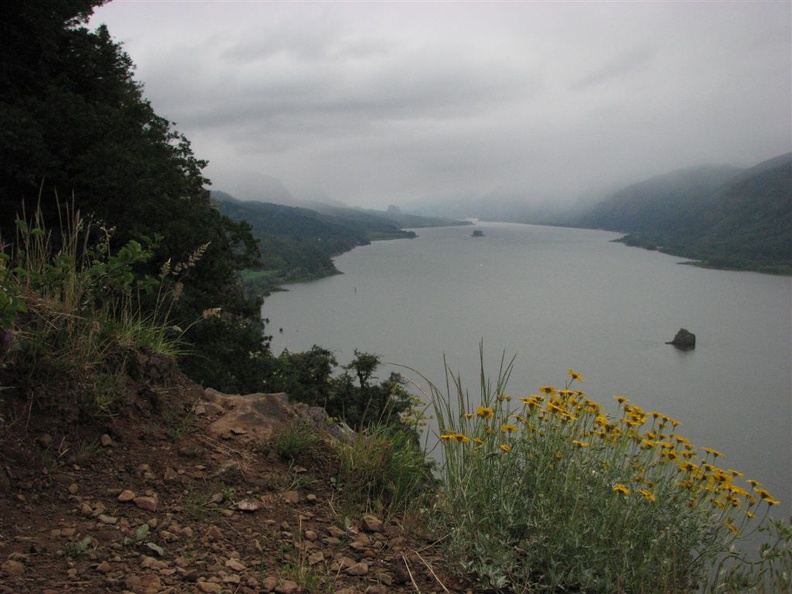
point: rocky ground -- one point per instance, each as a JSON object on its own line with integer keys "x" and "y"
{"x": 174, "y": 494}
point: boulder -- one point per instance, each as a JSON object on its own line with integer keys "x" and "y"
{"x": 255, "y": 417}
{"x": 684, "y": 340}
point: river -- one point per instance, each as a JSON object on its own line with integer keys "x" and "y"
{"x": 558, "y": 298}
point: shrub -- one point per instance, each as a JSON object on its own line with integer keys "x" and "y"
{"x": 297, "y": 441}
{"x": 549, "y": 493}
{"x": 71, "y": 314}
{"x": 383, "y": 468}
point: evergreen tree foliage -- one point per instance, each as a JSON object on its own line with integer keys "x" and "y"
{"x": 74, "y": 124}
{"x": 355, "y": 396}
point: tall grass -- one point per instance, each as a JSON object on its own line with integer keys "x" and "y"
{"x": 72, "y": 310}
{"x": 548, "y": 493}
{"x": 384, "y": 469}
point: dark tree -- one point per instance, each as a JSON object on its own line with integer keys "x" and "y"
{"x": 75, "y": 127}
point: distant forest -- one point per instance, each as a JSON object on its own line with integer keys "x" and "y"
{"x": 719, "y": 217}
{"x": 298, "y": 244}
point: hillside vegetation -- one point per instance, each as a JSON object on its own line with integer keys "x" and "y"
{"x": 718, "y": 216}
{"x": 118, "y": 274}
{"x": 298, "y": 244}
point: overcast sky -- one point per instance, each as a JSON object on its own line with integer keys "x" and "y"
{"x": 378, "y": 103}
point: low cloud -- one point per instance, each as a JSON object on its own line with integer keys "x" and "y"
{"x": 383, "y": 103}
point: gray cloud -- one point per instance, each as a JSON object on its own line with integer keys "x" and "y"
{"x": 378, "y": 103}
{"x": 622, "y": 66}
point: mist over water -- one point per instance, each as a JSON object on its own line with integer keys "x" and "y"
{"x": 557, "y": 298}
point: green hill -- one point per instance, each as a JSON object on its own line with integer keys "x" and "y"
{"x": 718, "y": 216}
{"x": 298, "y": 244}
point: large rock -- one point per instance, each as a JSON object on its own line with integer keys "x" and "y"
{"x": 255, "y": 417}
{"x": 684, "y": 340}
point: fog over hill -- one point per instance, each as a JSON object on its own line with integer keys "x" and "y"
{"x": 722, "y": 216}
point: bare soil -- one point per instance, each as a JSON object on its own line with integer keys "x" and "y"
{"x": 146, "y": 501}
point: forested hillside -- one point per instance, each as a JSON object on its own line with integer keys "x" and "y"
{"x": 78, "y": 135}
{"x": 721, "y": 217}
{"x": 299, "y": 243}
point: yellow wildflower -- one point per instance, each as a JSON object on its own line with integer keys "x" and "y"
{"x": 485, "y": 412}
{"x": 619, "y": 488}
{"x": 575, "y": 375}
{"x": 503, "y": 397}
{"x": 769, "y": 499}
{"x": 648, "y": 495}
{"x": 580, "y": 444}
{"x": 621, "y": 399}
{"x": 549, "y": 390}
{"x": 505, "y": 447}
{"x": 507, "y": 428}
{"x": 714, "y": 453}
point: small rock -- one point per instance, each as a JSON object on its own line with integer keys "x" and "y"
{"x": 74, "y": 488}
{"x": 358, "y": 569}
{"x": 147, "y": 503}
{"x": 684, "y": 340}
{"x": 152, "y": 563}
{"x": 106, "y": 440}
{"x": 311, "y": 536}
{"x": 106, "y": 519}
{"x": 209, "y": 587}
{"x": 235, "y": 564}
{"x": 13, "y": 567}
{"x": 315, "y": 558}
{"x": 311, "y": 498}
{"x": 287, "y": 587}
{"x": 147, "y": 584}
{"x": 170, "y": 475}
{"x": 384, "y": 578}
{"x": 372, "y": 523}
{"x": 343, "y": 564}
{"x": 126, "y": 495}
{"x": 214, "y": 533}
{"x": 103, "y": 567}
{"x": 247, "y": 505}
{"x": 291, "y": 496}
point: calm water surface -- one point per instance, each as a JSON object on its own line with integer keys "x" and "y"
{"x": 559, "y": 298}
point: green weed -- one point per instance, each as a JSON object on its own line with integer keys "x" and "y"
{"x": 383, "y": 468}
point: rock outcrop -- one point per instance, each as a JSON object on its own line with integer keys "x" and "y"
{"x": 255, "y": 417}
{"x": 684, "y": 340}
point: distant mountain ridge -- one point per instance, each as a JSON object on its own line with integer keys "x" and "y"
{"x": 722, "y": 217}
